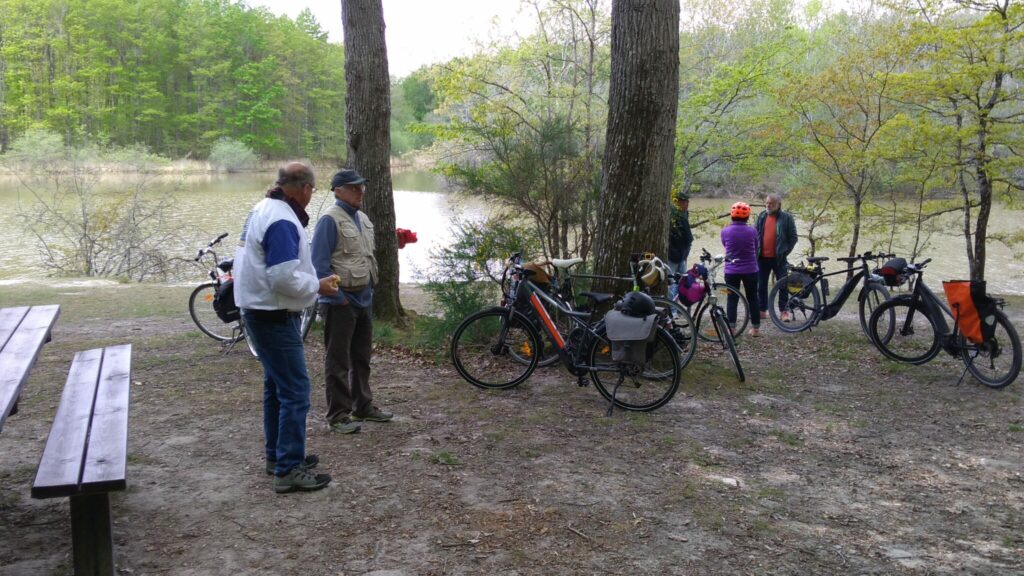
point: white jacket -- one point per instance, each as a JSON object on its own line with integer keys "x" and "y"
{"x": 290, "y": 285}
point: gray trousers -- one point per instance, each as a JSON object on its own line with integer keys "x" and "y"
{"x": 348, "y": 339}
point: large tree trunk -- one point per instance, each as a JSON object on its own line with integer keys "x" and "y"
{"x": 633, "y": 214}
{"x": 367, "y": 125}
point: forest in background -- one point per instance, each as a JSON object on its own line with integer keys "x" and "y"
{"x": 894, "y": 116}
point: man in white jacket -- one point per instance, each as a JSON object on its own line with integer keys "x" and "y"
{"x": 274, "y": 281}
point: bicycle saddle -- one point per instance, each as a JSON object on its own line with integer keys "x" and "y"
{"x": 226, "y": 265}
{"x": 568, "y": 263}
{"x": 816, "y": 259}
{"x": 597, "y": 297}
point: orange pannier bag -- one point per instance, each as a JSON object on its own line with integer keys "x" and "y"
{"x": 969, "y": 303}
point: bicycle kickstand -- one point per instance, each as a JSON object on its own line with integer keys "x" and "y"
{"x": 611, "y": 403}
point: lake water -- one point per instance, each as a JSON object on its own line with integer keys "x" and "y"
{"x": 210, "y": 204}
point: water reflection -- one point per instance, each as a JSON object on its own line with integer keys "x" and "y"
{"x": 206, "y": 205}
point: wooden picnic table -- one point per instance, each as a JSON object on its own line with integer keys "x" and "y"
{"x": 23, "y": 331}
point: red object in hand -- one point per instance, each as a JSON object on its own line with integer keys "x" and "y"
{"x": 405, "y": 237}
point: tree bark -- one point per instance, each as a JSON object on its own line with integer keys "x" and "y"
{"x": 634, "y": 208}
{"x": 367, "y": 125}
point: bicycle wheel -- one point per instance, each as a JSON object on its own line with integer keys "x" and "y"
{"x": 482, "y": 348}
{"x": 801, "y": 302}
{"x": 996, "y": 362}
{"x": 742, "y": 312}
{"x": 722, "y": 327}
{"x": 681, "y": 329}
{"x": 632, "y": 387}
{"x": 309, "y": 316}
{"x": 244, "y": 335}
{"x": 871, "y": 296}
{"x": 200, "y": 308}
{"x": 914, "y": 338}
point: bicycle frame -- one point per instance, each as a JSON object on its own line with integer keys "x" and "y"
{"x": 534, "y": 294}
{"x": 831, "y": 309}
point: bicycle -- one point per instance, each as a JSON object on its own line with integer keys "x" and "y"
{"x": 805, "y": 288}
{"x": 912, "y": 328}
{"x": 201, "y": 302}
{"x": 482, "y": 344}
{"x": 702, "y": 314}
{"x": 678, "y": 321}
{"x": 716, "y": 314}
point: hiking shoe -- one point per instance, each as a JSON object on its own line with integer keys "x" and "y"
{"x": 299, "y": 478}
{"x": 755, "y": 333}
{"x": 345, "y": 426}
{"x": 374, "y": 414}
{"x": 785, "y": 317}
{"x": 764, "y": 315}
{"x": 309, "y": 463}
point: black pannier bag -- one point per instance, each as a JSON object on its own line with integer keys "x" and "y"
{"x": 630, "y": 336}
{"x": 894, "y": 272}
{"x": 224, "y": 302}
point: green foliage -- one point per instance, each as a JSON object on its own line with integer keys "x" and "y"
{"x": 174, "y": 75}
{"x": 231, "y": 155}
{"x": 36, "y": 146}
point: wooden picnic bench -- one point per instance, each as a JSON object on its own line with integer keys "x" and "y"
{"x": 86, "y": 453}
{"x": 23, "y": 331}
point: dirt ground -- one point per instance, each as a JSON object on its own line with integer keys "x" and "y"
{"x": 828, "y": 460}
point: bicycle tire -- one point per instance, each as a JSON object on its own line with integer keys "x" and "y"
{"x": 871, "y": 297}
{"x": 244, "y": 334}
{"x": 481, "y": 343}
{"x": 742, "y": 312}
{"x": 801, "y": 301}
{"x": 682, "y": 329}
{"x": 650, "y": 387}
{"x": 722, "y": 327}
{"x": 309, "y": 315}
{"x": 200, "y": 308}
{"x": 1004, "y": 339}
{"x": 914, "y": 336}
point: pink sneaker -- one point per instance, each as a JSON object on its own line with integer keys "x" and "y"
{"x": 755, "y": 333}
{"x": 785, "y": 317}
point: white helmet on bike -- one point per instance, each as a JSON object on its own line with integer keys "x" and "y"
{"x": 653, "y": 271}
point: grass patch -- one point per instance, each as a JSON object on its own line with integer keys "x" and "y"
{"x": 444, "y": 457}
{"x": 788, "y": 438}
{"x": 1016, "y": 428}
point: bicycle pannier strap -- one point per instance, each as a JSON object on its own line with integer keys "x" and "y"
{"x": 973, "y": 310}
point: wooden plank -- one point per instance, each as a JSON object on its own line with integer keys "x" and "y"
{"x": 92, "y": 539}
{"x": 61, "y": 464}
{"x": 106, "y": 458}
{"x": 9, "y": 320}
{"x": 20, "y": 352}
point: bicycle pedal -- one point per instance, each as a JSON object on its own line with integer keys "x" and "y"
{"x": 582, "y": 382}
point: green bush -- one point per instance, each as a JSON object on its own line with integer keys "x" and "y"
{"x": 37, "y": 146}
{"x": 231, "y": 156}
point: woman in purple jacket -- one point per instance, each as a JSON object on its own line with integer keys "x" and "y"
{"x": 740, "y": 243}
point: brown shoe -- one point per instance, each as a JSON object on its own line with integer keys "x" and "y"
{"x": 755, "y": 333}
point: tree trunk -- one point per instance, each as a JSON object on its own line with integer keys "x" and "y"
{"x": 367, "y": 125}
{"x": 633, "y": 214}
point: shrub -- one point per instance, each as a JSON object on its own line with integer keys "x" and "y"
{"x": 231, "y": 156}
{"x": 37, "y": 146}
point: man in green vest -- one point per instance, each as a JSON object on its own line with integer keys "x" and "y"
{"x": 343, "y": 244}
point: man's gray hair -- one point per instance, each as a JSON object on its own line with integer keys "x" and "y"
{"x": 774, "y": 196}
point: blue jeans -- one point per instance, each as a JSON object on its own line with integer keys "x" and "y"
{"x": 285, "y": 387}
{"x": 765, "y": 268}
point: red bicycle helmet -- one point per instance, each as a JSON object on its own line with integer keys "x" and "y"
{"x": 740, "y": 210}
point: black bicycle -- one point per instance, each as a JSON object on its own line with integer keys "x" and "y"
{"x": 489, "y": 347}
{"x": 202, "y": 301}
{"x": 804, "y": 291}
{"x": 912, "y": 328}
